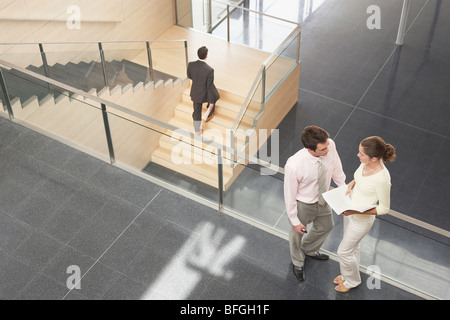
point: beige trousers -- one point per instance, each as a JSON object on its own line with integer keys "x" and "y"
{"x": 349, "y": 250}
{"x": 322, "y": 224}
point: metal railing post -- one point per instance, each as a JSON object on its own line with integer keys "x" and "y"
{"x": 45, "y": 64}
{"x": 220, "y": 173}
{"x": 403, "y": 21}
{"x": 298, "y": 44}
{"x": 150, "y": 61}
{"x": 6, "y": 95}
{"x": 186, "y": 52}
{"x": 263, "y": 87}
{"x": 228, "y": 23}
{"x": 209, "y": 16}
{"x": 108, "y": 134}
{"x": 102, "y": 59}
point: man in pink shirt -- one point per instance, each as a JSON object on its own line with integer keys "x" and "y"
{"x": 304, "y": 203}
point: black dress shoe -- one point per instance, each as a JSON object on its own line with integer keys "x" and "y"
{"x": 319, "y": 256}
{"x": 299, "y": 273}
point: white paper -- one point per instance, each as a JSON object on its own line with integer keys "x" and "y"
{"x": 339, "y": 202}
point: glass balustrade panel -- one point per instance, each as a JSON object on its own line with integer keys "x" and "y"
{"x": 169, "y": 60}
{"x": 173, "y": 157}
{"x": 256, "y": 193}
{"x": 77, "y": 65}
{"x": 27, "y": 56}
{"x": 3, "y": 109}
{"x": 126, "y": 63}
{"x": 57, "y": 112}
{"x": 280, "y": 66}
{"x": 254, "y": 29}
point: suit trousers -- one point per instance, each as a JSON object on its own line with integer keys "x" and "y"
{"x": 322, "y": 224}
{"x": 197, "y": 115}
{"x": 349, "y": 250}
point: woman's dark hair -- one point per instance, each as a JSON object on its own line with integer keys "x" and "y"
{"x": 378, "y": 148}
{"x": 202, "y": 52}
{"x": 312, "y": 136}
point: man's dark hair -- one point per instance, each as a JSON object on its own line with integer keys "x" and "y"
{"x": 312, "y": 136}
{"x": 202, "y": 52}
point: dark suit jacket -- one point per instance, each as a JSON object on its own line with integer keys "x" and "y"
{"x": 203, "y": 88}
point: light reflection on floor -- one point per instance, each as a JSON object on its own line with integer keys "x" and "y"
{"x": 202, "y": 254}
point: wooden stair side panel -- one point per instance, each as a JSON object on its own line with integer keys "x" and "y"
{"x": 72, "y": 120}
{"x": 187, "y": 166}
{"x": 21, "y": 112}
{"x": 158, "y": 103}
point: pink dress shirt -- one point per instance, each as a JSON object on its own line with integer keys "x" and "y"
{"x": 300, "y": 178}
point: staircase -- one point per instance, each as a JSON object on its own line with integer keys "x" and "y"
{"x": 85, "y": 76}
{"x": 130, "y": 86}
{"x": 194, "y": 157}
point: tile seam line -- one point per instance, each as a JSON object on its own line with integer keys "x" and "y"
{"x": 365, "y": 92}
{"x": 381, "y": 69}
{"x": 109, "y": 247}
{"x": 392, "y": 53}
{"x": 283, "y": 235}
{"x": 328, "y": 98}
{"x": 404, "y": 123}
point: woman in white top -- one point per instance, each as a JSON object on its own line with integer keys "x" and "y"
{"x": 372, "y": 186}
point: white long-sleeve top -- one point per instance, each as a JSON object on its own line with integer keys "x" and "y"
{"x": 372, "y": 190}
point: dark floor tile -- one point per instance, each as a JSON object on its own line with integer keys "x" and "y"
{"x": 82, "y": 166}
{"x": 30, "y": 142}
{"x": 239, "y": 271}
{"x": 180, "y": 210}
{"x": 124, "y": 250}
{"x": 97, "y": 282}
{"x": 60, "y": 187}
{"x": 93, "y": 239}
{"x": 36, "y": 209}
{"x": 118, "y": 214}
{"x": 13, "y": 233}
{"x": 125, "y": 289}
{"x": 43, "y": 288}
{"x": 38, "y": 250}
{"x": 64, "y": 224}
{"x": 311, "y": 109}
{"x": 278, "y": 286}
{"x": 61, "y": 267}
{"x": 9, "y": 131}
{"x": 128, "y": 187}
{"x": 87, "y": 201}
{"x": 55, "y": 154}
{"x": 218, "y": 290}
{"x": 15, "y": 276}
{"x": 146, "y": 266}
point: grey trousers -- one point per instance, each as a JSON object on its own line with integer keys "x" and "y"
{"x": 322, "y": 224}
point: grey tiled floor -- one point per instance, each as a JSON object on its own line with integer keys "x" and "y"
{"x": 132, "y": 239}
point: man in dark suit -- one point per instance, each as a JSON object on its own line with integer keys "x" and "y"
{"x": 202, "y": 88}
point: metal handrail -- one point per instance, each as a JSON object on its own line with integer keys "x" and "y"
{"x": 258, "y": 77}
{"x": 90, "y": 96}
{"x": 257, "y": 12}
{"x": 89, "y": 42}
{"x": 261, "y": 75}
{"x": 101, "y": 51}
{"x": 137, "y": 115}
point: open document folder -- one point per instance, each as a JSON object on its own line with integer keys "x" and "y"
{"x": 339, "y": 202}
